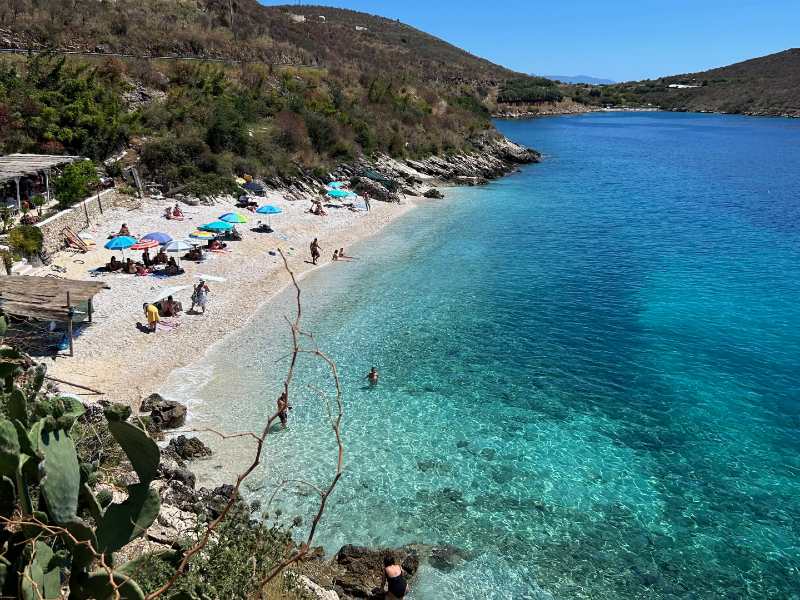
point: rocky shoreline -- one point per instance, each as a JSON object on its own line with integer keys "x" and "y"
{"x": 389, "y": 179}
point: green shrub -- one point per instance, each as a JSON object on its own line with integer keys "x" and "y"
{"x": 26, "y": 239}
{"x": 75, "y": 183}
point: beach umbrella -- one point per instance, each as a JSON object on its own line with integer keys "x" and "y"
{"x": 268, "y": 209}
{"x": 233, "y": 218}
{"x": 121, "y": 242}
{"x": 339, "y": 194}
{"x": 177, "y": 246}
{"x": 159, "y": 236}
{"x": 202, "y": 235}
{"x": 335, "y": 185}
{"x": 144, "y": 244}
{"x": 217, "y": 226}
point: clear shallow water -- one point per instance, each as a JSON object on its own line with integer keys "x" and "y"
{"x": 589, "y": 370}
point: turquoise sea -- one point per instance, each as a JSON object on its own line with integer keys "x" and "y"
{"x": 590, "y": 370}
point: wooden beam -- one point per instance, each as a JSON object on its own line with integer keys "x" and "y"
{"x": 69, "y": 327}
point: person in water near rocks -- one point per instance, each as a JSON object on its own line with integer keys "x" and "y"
{"x": 335, "y": 255}
{"x": 283, "y": 409}
{"x": 393, "y": 579}
{"x": 315, "y": 251}
{"x": 373, "y": 376}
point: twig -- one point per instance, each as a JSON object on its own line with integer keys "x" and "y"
{"x": 75, "y": 385}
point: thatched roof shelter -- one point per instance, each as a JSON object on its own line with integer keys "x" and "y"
{"x": 47, "y": 298}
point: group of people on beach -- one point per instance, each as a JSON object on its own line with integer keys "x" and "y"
{"x": 316, "y": 253}
{"x": 154, "y": 311}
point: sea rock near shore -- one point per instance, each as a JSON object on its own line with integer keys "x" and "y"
{"x": 376, "y": 190}
{"x": 361, "y": 568}
{"x": 433, "y": 193}
{"x": 167, "y": 414}
{"x": 188, "y": 448}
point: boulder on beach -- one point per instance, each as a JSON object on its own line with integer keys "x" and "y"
{"x": 188, "y": 448}
{"x": 165, "y": 414}
{"x": 433, "y": 193}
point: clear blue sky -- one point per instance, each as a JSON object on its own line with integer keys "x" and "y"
{"x": 618, "y": 39}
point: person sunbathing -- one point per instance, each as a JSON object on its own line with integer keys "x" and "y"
{"x": 170, "y": 308}
{"x": 195, "y": 254}
{"x": 141, "y": 270}
{"x": 234, "y": 235}
{"x": 114, "y": 264}
{"x": 263, "y": 228}
{"x": 130, "y": 267}
{"x": 161, "y": 258}
{"x": 172, "y": 267}
{"x": 146, "y": 258}
{"x": 177, "y": 213}
{"x": 216, "y": 245}
{"x": 124, "y": 230}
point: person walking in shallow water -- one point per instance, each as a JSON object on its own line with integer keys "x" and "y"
{"x": 283, "y": 409}
{"x": 315, "y": 251}
{"x": 373, "y": 376}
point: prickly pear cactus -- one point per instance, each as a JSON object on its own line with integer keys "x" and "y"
{"x": 66, "y": 531}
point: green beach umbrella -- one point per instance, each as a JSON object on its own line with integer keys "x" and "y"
{"x": 232, "y": 217}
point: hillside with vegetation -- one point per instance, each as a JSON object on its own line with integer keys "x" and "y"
{"x": 278, "y": 90}
{"x": 769, "y": 85}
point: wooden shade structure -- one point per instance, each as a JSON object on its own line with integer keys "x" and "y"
{"x": 47, "y": 298}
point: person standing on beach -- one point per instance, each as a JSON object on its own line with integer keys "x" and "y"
{"x": 151, "y": 312}
{"x": 200, "y": 296}
{"x": 366, "y": 201}
{"x": 283, "y": 409}
{"x": 315, "y": 251}
{"x": 373, "y": 376}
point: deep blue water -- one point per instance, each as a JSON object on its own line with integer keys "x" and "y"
{"x": 590, "y": 370}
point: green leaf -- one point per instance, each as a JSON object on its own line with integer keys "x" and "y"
{"x": 135, "y": 566}
{"x": 62, "y": 476}
{"x": 41, "y": 579}
{"x": 125, "y": 521}
{"x": 142, "y": 451}
{"x": 24, "y": 441}
{"x": 17, "y": 406}
{"x": 9, "y": 449}
{"x": 82, "y": 555}
{"x": 8, "y": 498}
{"x": 98, "y": 586}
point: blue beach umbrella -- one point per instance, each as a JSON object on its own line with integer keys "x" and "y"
{"x": 159, "y": 236}
{"x": 121, "y": 242}
{"x": 335, "y": 185}
{"x": 268, "y": 209}
{"x": 232, "y": 217}
{"x": 216, "y": 226}
{"x": 339, "y": 194}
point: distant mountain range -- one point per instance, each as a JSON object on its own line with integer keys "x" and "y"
{"x": 580, "y": 79}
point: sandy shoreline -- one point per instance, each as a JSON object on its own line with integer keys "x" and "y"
{"x": 114, "y": 357}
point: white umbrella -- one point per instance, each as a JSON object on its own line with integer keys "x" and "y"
{"x": 178, "y": 246}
